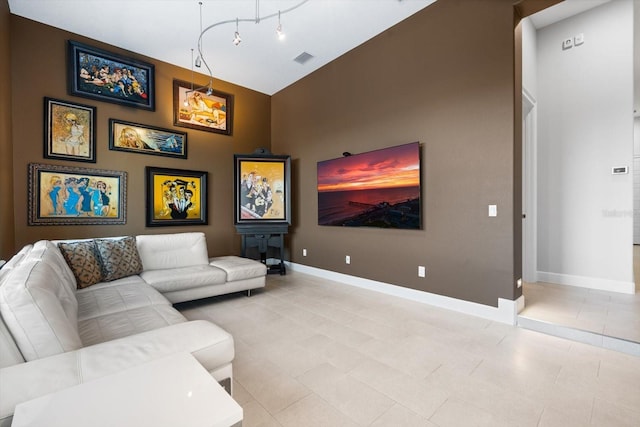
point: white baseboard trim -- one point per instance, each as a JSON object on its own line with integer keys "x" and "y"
{"x": 587, "y": 282}
{"x": 506, "y": 312}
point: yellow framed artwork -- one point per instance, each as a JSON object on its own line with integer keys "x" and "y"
{"x": 176, "y": 197}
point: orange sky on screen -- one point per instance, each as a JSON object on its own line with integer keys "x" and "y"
{"x": 388, "y": 168}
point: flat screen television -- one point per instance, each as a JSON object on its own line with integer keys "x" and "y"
{"x": 378, "y": 188}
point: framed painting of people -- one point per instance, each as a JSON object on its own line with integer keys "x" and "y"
{"x": 262, "y": 189}
{"x": 144, "y": 139}
{"x": 69, "y": 131}
{"x": 202, "y": 108}
{"x": 66, "y": 195}
{"x": 97, "y": 74}
{"x": 175, "y": 197}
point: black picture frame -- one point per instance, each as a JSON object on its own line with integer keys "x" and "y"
{"x": 69, "y": 131}
{"x": 69, "y": 195}
{"x": 175, "y": 197}
{"x": 144, "y": 139}
{"x": 97, "y": 74}
{"x": 262, "y": 190}
{"x": 202, "y": 108}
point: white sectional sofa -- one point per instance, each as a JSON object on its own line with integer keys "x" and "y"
{"x": 73, "y": 311}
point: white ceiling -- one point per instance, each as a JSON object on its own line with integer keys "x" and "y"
{"x": 168, "y": 29}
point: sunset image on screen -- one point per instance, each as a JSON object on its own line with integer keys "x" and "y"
{"x": 377, "y": 189}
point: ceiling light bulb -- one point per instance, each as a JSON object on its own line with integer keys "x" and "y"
{"x": 198, "y": 62}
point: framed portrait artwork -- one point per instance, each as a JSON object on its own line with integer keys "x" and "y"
{"x": 202, "y": 108}
{"x": 105, "y": 76}
{"x": 69, "y": 131}
{"x": 176, "y": 197}
{"x": 137, "y": 138}
{"x": 66, "y": 195}
{"x": 262, "y": 189}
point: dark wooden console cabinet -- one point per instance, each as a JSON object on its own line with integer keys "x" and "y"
{"x": 263, "y": 240}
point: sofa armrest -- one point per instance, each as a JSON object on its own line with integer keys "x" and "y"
{"x": 208, "y": 343}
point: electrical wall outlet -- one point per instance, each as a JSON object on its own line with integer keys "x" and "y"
{"x": 304, "y": 252}
{"x": 347, "y": 259}
{"x": 422, "y": 271}
{"x": 567, "y": 43}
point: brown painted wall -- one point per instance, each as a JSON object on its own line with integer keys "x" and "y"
{"x": 39, "y": 67}
{"x": 6, "y": 157}
{"x": 444, "y": 77}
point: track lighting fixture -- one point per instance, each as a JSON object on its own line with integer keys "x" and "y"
{"x": 200, "y": 59}
{"x": 279, "y": 31}
{"x": 236, "y": 36}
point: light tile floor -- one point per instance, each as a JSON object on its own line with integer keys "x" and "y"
{"x": 316, "y": 353}
{"x": 607, "y": 313}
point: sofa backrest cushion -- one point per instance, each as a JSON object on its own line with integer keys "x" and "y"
{"x": 15, "y": 260}
{"x": 119, "y": 258}
{"x": 38, "y": 310}
{"x": 46, "y": 251}
{"x": 84, "y": 260}
{"x": 160, "y": 251}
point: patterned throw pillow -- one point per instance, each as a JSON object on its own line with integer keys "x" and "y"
{"x": 119, "y": 258}
{"x": 84, "y": 261}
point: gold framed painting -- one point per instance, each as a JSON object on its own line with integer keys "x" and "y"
{"x": 67, "y": 195}
{"x": 176, "y": 197}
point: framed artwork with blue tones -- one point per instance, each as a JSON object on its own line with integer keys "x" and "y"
{"x": 66, "y": 195}
{"x": 105, "y": 76}
{"x": 137, "y": 138}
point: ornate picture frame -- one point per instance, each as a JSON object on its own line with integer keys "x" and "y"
{"x": 97, "y": 74}
{"x": 175, "y": 197}
{"x": 262, "y": 189}
{"x": 69, "y": 131}
{"x": 202, "y": 108}
{"x": 67, "y": 195}
{"x": 145, "y": 139}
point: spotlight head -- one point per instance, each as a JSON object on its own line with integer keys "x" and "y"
{"x": 346, "y": 154}
{"x": 198, "y": 62}
{"x": 280, "y": 33}
{"x": 209, "y": 91}
{"x": 236, "y": 38}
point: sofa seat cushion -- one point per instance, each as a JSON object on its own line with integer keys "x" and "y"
{"x": 238, "y": 268}
{"x": 116, "y": 296}
{"x": 125, "y": 323}
{"x": 175, "y": 279}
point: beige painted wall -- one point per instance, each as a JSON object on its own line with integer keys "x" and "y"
{"x": 6, "y": 157}
{"x": 39, "y": 69}
{"x": 444, "y": 77}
